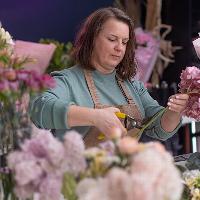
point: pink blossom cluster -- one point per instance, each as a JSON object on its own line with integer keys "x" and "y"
{"x": 41, "y": 163}
{"x": 190, "y": 84}
{"x": 143, "y": 38}
{"x": 14, "y": 80}
{"x": 150, "y": 175}
{"x": 146, "y": 53}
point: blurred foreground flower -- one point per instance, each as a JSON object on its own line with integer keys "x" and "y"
{"x": 40, "y": 165}
{"x": 145, "y": 171}
{"x": 46, "y": 167}
{"x": 192, "y": 182}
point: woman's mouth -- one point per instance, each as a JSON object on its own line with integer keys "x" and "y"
{"x": 116, "y": 57}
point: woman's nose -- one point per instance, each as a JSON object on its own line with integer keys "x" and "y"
{"x": 119, "y": 46}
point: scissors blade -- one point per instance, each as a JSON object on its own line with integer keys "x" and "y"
{"x": 134, "y": 122}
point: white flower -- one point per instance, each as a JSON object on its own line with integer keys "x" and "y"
{"x": 91, "y": 189}
{"x": 154, "y": 171}
{"x": 4, "y": 35}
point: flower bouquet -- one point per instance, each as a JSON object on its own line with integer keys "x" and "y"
{"x": 146, "y": 53}
{"x": 15, "y": 85}
{"x": 121, "y": 169}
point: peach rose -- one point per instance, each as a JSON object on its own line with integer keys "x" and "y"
{"x": 128, "y": 145}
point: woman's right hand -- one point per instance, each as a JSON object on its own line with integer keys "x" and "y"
{"x": 106, "y": 121}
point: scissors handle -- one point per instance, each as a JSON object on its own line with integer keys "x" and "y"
{"x": 120, "y": 115}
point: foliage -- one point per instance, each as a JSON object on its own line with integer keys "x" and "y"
{"x": 62, "y": 56}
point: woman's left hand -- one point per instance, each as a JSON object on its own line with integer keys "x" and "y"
{"x": 178, "y": 102}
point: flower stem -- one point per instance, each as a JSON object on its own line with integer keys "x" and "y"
{"x": 193, "y": 93}
{"x": 139, "y": 133}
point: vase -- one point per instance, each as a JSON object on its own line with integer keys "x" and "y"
{"x": 14, "y": 128}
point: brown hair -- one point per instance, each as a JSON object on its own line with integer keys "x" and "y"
{"x": 84, "y": 42}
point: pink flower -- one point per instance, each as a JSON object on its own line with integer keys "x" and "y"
{"x": 24, "y": 192}
{"x": 28, "y": 171}
{"x": 44, "y": 145}
{"x": 40, "y": 165}
{"x": 108, "y": 146}
{"x": 34, "y": 80}
{"x": 47, "y": 81}
{"x": 120, "y": 185}
{"x": 74, "y": 148}
{"x": 50, "y": 187}
{"x": 190, "y": 84}
{"x": 128, "y": 145}
{"x": 4, "y": 86}
{"x": 153, "y": 173}
{"x": 14, "y": 86}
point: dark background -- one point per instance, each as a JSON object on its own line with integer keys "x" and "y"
{"x": 31, "y": 20}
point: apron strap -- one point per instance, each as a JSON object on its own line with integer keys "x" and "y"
{"x": 92, "y": 88}
{"x": 124, "y": 90}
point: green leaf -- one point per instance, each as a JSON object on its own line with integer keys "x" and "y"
{"x": 8, "y": 187}
{"x": 3, "y": 97}
{"x": 4, "y": 59}
{"x": 149, "y": 122}
{"x": 62, "y": 55}
{"x": 69, "y": 187}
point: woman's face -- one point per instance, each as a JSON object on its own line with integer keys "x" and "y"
{"x": 110, "y": 45}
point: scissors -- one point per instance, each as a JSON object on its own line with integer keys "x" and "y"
{"x": 127, "y": 118}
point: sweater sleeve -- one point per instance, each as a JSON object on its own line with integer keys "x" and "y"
{"x": 49, "y": 109}
{"x": 151, "y": 107}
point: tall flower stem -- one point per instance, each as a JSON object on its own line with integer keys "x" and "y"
{"x": 139, "y": 133}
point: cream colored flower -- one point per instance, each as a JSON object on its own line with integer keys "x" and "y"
{"x": 196, "y": 193}
{"x": 4, "y": 35}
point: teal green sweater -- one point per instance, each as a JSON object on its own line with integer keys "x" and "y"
{"x": 49, "y": 109}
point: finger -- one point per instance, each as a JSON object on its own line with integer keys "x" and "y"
{"x": 114, "y": 133}
{"x": 122, "y": 128}
{"x": 181, "y": 102}
{"x": 182, "y": 96}
{"x": 113, "y": 109}
{"x": 176, "y": 108}
{"x": 179, "y": 96}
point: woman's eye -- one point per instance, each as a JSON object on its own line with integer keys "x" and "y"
{"x": 125, "y": 42}
{"x": 112, "y": 40}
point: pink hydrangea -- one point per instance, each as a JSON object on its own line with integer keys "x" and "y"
{"x": 50, "y": 187}
{"x": 74, "y": 151}
{"x": 42, "y": 161}
{"x": 153, "y": 171}
{"x": 190, "y": 84}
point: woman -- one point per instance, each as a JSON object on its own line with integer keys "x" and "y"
{"x": 88, "y": 95}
